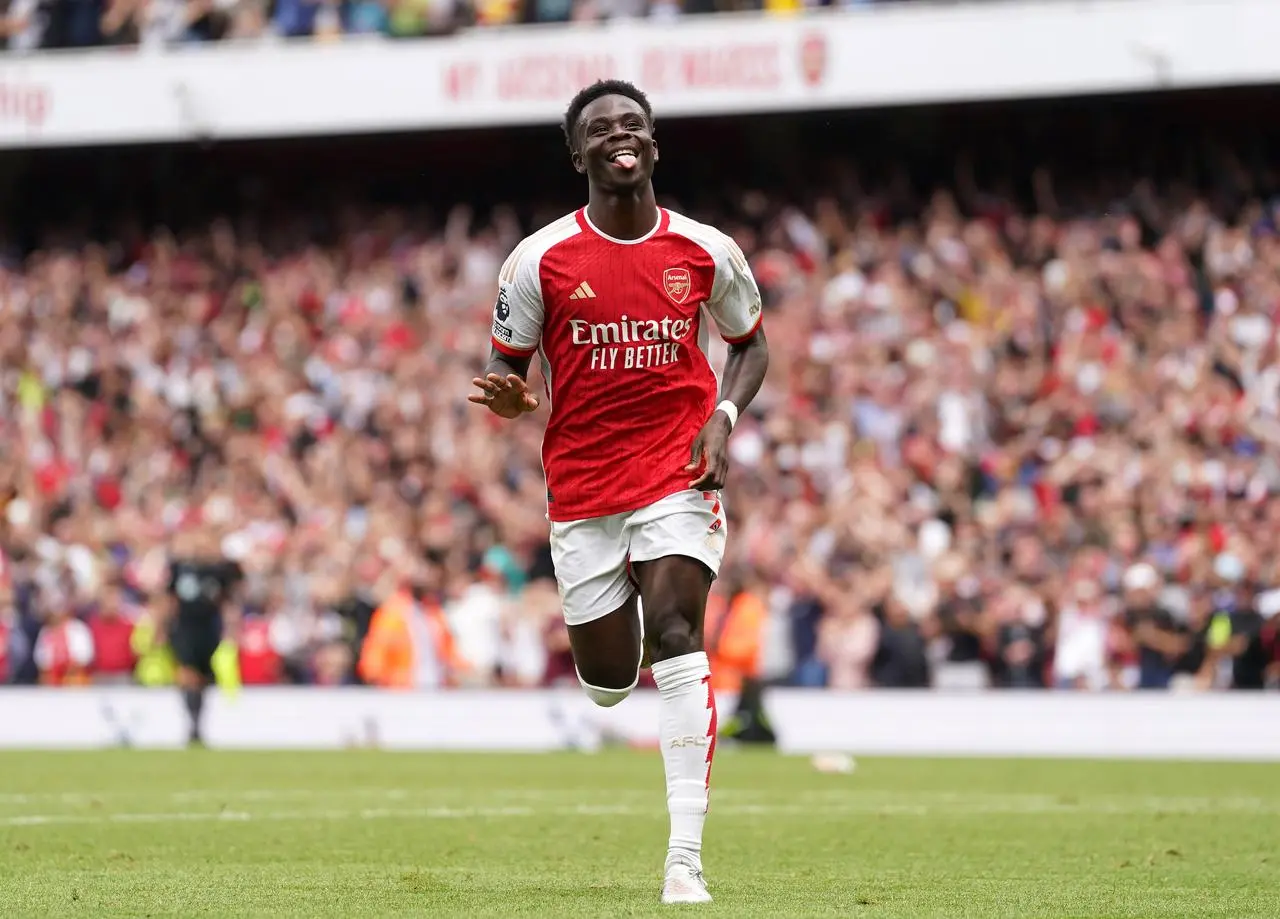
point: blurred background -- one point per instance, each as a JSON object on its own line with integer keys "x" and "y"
{"x": 1021, "y": 270}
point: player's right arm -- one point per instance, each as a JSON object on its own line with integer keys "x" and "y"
{"x": 517, "y": 329}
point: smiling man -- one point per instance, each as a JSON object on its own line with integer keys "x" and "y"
{"x": 617, "y": 299}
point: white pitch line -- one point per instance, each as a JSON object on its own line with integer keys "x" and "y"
{"x": 1028, "y": 805}
{"x": 425, "y": 813}
{"x": 306, "y": 794}
{"x": 846, "y": 796}
{"x": 743, "y": 800}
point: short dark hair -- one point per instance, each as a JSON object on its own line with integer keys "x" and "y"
{"x": 597, "y": 90}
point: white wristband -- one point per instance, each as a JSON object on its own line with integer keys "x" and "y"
{"x": 731, "y": 410}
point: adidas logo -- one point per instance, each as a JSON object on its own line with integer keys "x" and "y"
{"x": 584, "y": 292}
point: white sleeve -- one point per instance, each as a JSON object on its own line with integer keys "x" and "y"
{"x": 79, "y": 643}
{"x": 517, "y": 316}
{"x": 43, "y": 654}
{"x": 735, "y": 299}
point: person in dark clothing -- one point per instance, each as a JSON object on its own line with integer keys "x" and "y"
{"x": 959, "y": 616}
{"x": 804, "y": 615}
{"x": 901, "y": 661}
{"x": 1021, "y": 649}
{"x": 24, "y": 626}
{"x": 960, "y": 622}
{"x": 1248, "y": 649}
{"x": 1235, "y": 629}
{"x": 1196, "y": 633}
{"x": 201, "y": 582}
{"x": 1161, "y": 641}
{"x": 1271, "y": 641}
{"x": 356, "y": 611}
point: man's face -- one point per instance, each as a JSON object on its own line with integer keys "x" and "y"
{"x": 615, "y": 144}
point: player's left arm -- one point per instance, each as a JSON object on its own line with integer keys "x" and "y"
{"x": 735, "y": 308}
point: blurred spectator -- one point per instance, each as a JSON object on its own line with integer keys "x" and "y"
{"x": 149, "y": 642}
{"x": 1019, "y": 622}
{"x": 732, "y": 632}
{"x": 960, "y": 618}
{"x": 332, "y": 664}
{"x": 1195, "y": 669}
{"x": 1267, "y": 606}
{"x": 111, "y": 628}
{"x": 8, "y": 619}
{"x": 901, "y": 660}
{"x": 259, "y": 662}
{"x": 560, "y": 670}
{"x": 295, "y": 18}
{"x": 1081, "y": 651}
{"x": 476, "y": 618}
{"x": 1237, "y": 628}
{"x": 64, "y": 650}
{"x": 848, "y": 643}
{"x": 409, "y": 645}
{"x": 22, "y": 24}
{"x": 1159, "y": 638}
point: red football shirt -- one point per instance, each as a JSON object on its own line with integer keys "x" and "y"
{"x": 621, "y": 328}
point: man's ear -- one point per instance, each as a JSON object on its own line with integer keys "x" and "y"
{"x": 655, "y": 151}
{"x": 576, "y": 158}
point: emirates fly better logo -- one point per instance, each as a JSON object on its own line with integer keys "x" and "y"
{"x": 631, "y": 344}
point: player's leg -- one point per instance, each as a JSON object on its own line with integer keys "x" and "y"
{"x": 599, "y": 603}
{"x": 606, "y": 652}
{"x": 193, "y": 646}
{"x": 192, "y": 684}
{"x": 677, "y": 546}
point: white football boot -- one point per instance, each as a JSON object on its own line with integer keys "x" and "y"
{"x": 684, "y": 884}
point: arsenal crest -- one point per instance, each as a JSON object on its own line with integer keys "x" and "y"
{"x": 813, "y": 59}
{"x": 677, "y": 283}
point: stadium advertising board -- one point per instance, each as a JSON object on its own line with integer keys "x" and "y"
{"x": 726, "y": 64}
{"x": 1211, "y": 726}
{"x": 881, "y": 55}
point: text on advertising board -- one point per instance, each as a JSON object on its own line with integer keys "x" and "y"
{"x": 755, "y": 66}
{"x": 24, "y": 104}
{"x": 527, "y": 77}
{"x": 733, "y": 66}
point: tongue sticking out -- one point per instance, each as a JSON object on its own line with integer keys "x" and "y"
{"x": 625, "y": 161}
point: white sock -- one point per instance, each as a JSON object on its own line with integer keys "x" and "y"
{"x": 687, "y": 716}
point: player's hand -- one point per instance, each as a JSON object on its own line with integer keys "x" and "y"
{"x": 709, "y": 460}
{"x": 506, "y": 397}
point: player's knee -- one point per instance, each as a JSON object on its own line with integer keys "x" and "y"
{"x": 673, "y": 635}
{"x": 605, "y": 698}
{"x": 606, "y": 687}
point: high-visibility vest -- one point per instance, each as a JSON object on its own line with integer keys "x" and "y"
{"x": 156, "y": 666}
{"x": 391, "y": 655}
{"x": 733, "y": 631}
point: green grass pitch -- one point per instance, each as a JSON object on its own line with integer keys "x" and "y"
{"x": 368, "y": 834}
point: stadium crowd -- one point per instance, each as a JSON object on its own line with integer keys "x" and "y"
{"x": 996, "y": 447}
{"x": 28, "y": 25}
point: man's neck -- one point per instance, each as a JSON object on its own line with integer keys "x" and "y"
{"x": 627, "y": 216}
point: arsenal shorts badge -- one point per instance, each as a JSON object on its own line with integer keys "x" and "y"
{"x": 677, "y": 283}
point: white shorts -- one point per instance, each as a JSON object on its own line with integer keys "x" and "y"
{"x": 592, "y": 556}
